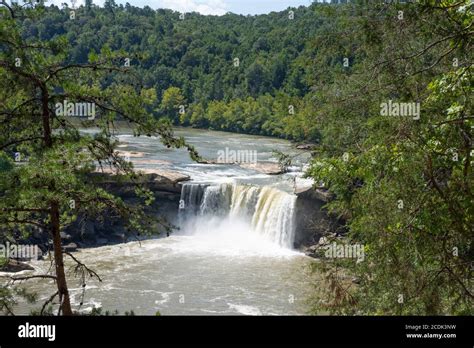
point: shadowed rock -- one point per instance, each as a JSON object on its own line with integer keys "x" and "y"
{"x": 15, "y": 266}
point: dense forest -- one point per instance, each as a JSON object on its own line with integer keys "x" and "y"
{"x": 233, "y": 72}
{"x": 402, "y": 181}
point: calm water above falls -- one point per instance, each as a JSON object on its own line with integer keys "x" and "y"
{"x": 232, "y": 255}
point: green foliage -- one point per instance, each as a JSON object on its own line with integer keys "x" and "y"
{"x": 54, "y": 183}
{"x": 283, "y": 159}
{"x": 171, "y": 102}
{"x": 266, "y": 115}
{"x": 191, "y": 61}
{"x": 9, "y": 298}
{"x": 6, "y": 162}
{"x": 404, "y": 186}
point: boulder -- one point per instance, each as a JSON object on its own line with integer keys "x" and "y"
{"x": 118, "y": 237}
{"x": 15, "y": 266}
{"x": 323, "y": 241}
{"x": 130, "y": 154}
{"x": 82, "y": 245}
{"x": 305, "y": 147}
{"x": 170, "y": 175}
{"x": 318, "y": 194}
{"x": 87, "y": 230}
{"x": 38, "y": 233}
{"x": 312, "y": 251}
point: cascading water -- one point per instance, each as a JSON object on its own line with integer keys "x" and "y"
{"x": 265, "y": 211}
{"x": 244, "y": 200}
{"x": 191, "y": 197}
{"x": 274, "y": 216}
{"x": 216, "y": 200}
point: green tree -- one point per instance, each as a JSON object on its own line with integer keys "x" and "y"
{"x": 51, "y": 185}
{"x": 402, "y": 184}
{"x": 172, "y": 103}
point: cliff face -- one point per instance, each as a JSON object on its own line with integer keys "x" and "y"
{"x": 88, "y": 232}
{"x": 166, "y": 188}
{"x": 312, "y": 220}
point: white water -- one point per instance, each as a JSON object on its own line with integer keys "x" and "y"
{"x": 242, "y": 213}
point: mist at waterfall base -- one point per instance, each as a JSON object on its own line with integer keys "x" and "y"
{"x": 231, "y": 256}
{"x": 235, "y": 220}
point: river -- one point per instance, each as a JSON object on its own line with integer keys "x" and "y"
{"x": 233, "y": 254}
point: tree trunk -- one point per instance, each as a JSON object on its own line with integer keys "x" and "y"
{"x": 54, "y": 213}
{"x": 59, "y": 261}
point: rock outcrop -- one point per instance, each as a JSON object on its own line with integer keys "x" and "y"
{"x": 154, "y": 179}
{"x": 269, "y": 168}
{"x": 14, "y": 266}
{"x": 306, "y": 147}
{"x": 313, "y": 221}
{"x": 165, "y": 186}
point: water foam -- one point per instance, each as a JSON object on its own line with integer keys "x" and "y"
{"x": 238, "y": 218}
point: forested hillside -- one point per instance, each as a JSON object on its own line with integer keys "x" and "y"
{"x": 232, "y": 72}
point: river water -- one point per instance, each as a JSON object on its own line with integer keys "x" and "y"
{"x": 233, "y": 254}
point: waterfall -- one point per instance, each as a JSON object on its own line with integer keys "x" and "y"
{"x": 216, "y": 200}
{"x": 273, "y": 216}
{"x": 267, "y": 211}
{"x": 244, "y": 200}
{"x": 191, "y": 197}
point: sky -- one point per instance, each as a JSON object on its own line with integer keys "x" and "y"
{"x": 206, "y": 7}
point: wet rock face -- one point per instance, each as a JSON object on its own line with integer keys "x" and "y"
{"x": 312, "y": 220}
{"x": 70, "y": 247}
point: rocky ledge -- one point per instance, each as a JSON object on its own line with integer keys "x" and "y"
{"x": 269, "y": 168}
{"x": 85, "y": 232}
{"x": 318, "y": 193}
{"x": 313, "y": 220}
{"x": 156, "y": 179}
